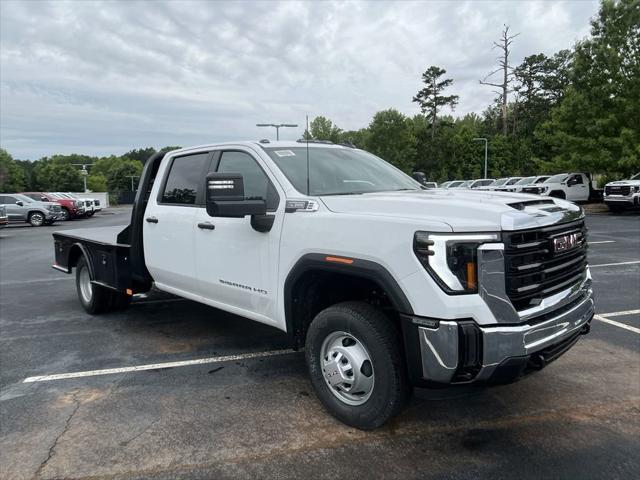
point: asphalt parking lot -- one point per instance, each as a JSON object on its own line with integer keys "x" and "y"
{"x": 232, "y": 415}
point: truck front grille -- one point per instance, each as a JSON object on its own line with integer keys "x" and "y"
{"x": 534, "y": 270}
{"x": 617, "y": 190}
{"x": 533, "y": 190}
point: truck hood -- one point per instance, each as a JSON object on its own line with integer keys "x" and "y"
{"x": 462, "y": 210}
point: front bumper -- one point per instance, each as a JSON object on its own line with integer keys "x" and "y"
{"x": 443, "y": 352}
{"x": 629, "y": 200}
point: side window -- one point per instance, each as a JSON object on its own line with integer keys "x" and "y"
{"x": 577, "y": 180}
{"x": 185, "y": 179}
{"x": 256, "y": 182}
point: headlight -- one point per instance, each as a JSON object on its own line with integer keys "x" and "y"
{"x": 543, "y": 190}
{"x": 451, "y": 259}
{"x": 78, "y": 203}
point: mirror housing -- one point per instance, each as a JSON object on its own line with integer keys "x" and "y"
{"x": 419, "y": 177}
{"x": 225, "y": 197}
{"x": 20, "y": 203}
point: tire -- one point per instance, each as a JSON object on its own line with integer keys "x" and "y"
{"x": 93, "y": 298}
{"x": 36, "y": 219}
{"x": 90, "y": 214}
{"x": 349, "y": 332}
{"x": 65, "y": 215}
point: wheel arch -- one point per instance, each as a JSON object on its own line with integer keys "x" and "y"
{"x": 345, "y": 277}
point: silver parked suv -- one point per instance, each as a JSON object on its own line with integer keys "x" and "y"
{"x": 21, "y": 208}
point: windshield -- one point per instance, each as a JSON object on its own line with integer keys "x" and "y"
{"x": 339, "y": 171}
{"x": 525, "y": 181}
{"x": 513, "y": 180}
{"x": 445, "y": 184}
{"x": 635, "y": 177}
{"x": 23, "y": 198}
{"x": 464, "y": 184}
{"x": 561, "y": 177}
{"x": 455, "y": 183}
{"x": 500, "y": 181}
{"x": 483, "y": 183}
{"x": 541, "y": 179}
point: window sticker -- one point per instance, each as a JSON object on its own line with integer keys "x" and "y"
{"x": 284, "y": 153}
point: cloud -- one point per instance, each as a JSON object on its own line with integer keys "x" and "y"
{"x": 101, "y": 78}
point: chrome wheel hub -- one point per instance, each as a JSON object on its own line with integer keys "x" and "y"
{"x": 347, "y": 368}
{"x": 86, "y": 289}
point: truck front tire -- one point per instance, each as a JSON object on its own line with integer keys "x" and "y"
{"x": 354, "y": 356}
{"x": 94, "y": 298}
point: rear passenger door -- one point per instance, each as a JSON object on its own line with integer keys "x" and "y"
{"x": 169, "y": 223}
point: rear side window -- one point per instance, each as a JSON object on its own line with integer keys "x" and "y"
{"x": 185, "y": 179}
{"x": 256, "y": 182}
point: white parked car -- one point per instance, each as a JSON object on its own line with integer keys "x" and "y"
{"x": 501, "y": 183}
{"x": 522, "y": 183}
{"x": 481, "y": 182}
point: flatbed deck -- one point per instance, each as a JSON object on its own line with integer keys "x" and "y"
{"x": 101, "y": 235}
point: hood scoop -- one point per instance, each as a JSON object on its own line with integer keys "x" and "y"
{"x": 535, "y": 203}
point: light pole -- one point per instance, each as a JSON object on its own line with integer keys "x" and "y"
{"x": 276, "y": 126}
{"x": 84, "y": 172}
{"x": 486, "y": 143}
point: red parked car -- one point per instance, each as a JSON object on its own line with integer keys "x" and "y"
{"x": 70, "y": 208}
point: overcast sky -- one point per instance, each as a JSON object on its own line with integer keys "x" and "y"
{"x": 102, "y": 78}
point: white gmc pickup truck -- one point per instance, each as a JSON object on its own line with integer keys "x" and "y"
{"x": 386, "y": 284}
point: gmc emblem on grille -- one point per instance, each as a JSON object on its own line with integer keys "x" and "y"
{"x": 566, "y": 242}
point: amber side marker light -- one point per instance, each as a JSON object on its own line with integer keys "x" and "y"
{"x": 472, "y": 282}
{"x": 129, "y": 291}
{"x": 346, "y": 261}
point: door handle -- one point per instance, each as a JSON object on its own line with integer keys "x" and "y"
{"x": 152, "y": 219}
{"x": 207, "y": 226}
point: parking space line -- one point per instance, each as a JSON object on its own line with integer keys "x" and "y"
{"x": 155, "y": 366}
{"x": 635, "y": 262}
{"x": 617, "y": 324}
{"x": 618, "y": 314}
{"x": 35, "y": 280}
{"x": 601, "y": 241}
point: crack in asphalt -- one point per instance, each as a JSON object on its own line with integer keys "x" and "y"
{"x": 52, "y": 448}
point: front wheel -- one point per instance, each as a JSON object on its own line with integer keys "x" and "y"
{"x": 356, "y": 366}
{"x": 36, "y": 219}
{"x": 64, "y": 214}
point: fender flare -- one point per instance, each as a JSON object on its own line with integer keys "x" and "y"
{"x": 358, "y": 268}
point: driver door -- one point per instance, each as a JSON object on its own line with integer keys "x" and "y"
{"x": 578, "y": 190}
{"x": 237, "y": 266}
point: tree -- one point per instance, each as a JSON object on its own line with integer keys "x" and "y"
{"x": 595, "y": 127}
{"x": 503, "y": 44}
{"x": 322, "y": 128}
{"x": 97, "y": 183}
{"x": 391, "y": 138}
{"x": 57, "y": 176}
{"x": 118, "y": 176}
{"x": 140, "y": 154}
{"x": 430, "y": 99}
{"x": 12, "y": 178}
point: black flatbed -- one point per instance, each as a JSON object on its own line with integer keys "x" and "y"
{"x": 100, "y": 235}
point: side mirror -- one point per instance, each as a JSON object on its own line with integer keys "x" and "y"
{"x": 20, "y": 203}
{"x": 44, "y": 199}
{"x": 419, "y": 177}
{"x": 225, "y": 197}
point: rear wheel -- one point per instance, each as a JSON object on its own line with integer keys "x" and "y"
{"x": 96, "y": 299}
{"x": 36, "y": 219}
{"x": 356, "y": 366}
